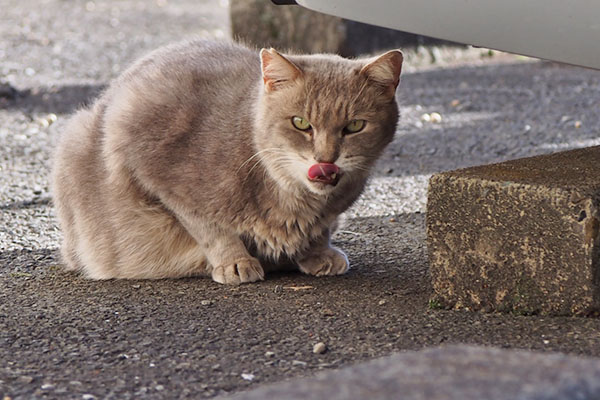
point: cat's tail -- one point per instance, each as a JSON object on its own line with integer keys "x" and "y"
{"x": 68, "y": 155}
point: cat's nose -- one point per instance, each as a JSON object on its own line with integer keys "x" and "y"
{"x": 325, "y": 160}
{"x": 326, "y": 146}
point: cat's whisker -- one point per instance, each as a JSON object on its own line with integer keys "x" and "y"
{"x": 260, "y": 157}
{"x": 356, "y": 166}
{"x": 361, "y": 168}
{"x": 257, "y": 154}
{"x": 279, "y": 164}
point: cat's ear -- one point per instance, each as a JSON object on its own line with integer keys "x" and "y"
{"x": 277, "y": 71}
{"x": 385, "y": 70}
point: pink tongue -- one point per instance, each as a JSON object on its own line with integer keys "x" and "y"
{"x": 324, "y": 172}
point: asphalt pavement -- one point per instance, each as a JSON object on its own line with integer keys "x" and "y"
{"x": 64, "y": 337}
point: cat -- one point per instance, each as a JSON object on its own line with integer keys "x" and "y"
{"x": 207, "y": 158}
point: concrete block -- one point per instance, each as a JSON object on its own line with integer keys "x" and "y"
{"x": 263, "y": 24}
{"x": 519, "y": 236}
{"x": 451, "y": 373}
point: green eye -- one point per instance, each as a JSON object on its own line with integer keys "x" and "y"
{"x": 356, "y": 125}
{"x": 301, "y": 124}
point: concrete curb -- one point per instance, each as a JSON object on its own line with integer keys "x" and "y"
{"x": 519, "y": 236}
{"x": 448, "y": 373}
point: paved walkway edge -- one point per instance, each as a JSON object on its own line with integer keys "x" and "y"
{"x": 448, "y": 373}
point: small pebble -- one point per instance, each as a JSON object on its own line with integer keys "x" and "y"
{"x": 436, "y": 118}
{"x": 577, "y": 124}
{"x": 48, "y": 120}
{"x": 455, "y": 103}
{"x": 248, "y": 377}
{"x": 206, "y": 302}
{"x": 319, "y": 348}
{"x": 25, "y": 379}
{"x": 327, "y": 312}
{"x": 298, "y": 363}
{"x": 47, "y": 386}
{"x": 88, "y": 396}
{"x": 382, "y": 302}
{"x": 183, "y": 365}
{"x": 392, "y": 219}
{"x": 159, "y": 388}
{"x": 269, "y": 354}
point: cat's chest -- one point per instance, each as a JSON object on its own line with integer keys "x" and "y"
{"x": 278, "y": 232}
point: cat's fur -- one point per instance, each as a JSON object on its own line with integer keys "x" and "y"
{"x": 188, "y": 164}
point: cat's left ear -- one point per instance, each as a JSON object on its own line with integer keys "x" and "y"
{"x": 277, "y": 71}
{"x": 385, "y": 70}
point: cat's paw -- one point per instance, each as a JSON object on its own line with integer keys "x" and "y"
{"x": 330, "y": 261}
{"x": 240, "y": 271}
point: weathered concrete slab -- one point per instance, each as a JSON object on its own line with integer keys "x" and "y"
{"x": 518, "y": 236}
{"x": 452, "y": 373}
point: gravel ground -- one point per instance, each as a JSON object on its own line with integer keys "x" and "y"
{"x": 65, "y": 337}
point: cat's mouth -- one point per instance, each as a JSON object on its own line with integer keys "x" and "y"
{"x": 327, "y": 173}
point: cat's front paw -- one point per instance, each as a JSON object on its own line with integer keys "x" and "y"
{"x": 330, "y": 261}
{"x": 240, "y": 271}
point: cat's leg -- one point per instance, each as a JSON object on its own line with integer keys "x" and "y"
{"x": 232, "y": 264}
{"x": 228, "y": 259}
{"x": 241, "y": 270}
{"x": 323, "y": 259}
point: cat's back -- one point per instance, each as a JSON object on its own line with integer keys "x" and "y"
{"x": 194, "y": 86}
{"x": 193, "y": 67}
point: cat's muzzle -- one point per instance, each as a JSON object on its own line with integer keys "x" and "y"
{"x": 327, "y": 173}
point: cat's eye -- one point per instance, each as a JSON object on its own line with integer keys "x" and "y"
{"x": 301, "y": 123}
{"x": 356, "y": 125}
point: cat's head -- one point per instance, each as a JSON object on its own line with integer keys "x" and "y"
{"x": 323, "y": 120}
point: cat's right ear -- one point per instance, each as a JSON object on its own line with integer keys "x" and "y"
{"x": 385, "y": 70}
{"x": 277, "y": 71}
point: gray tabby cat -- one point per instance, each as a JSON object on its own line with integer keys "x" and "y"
{"x": 210, "y": 159}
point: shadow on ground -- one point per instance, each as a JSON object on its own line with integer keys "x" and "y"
{"x": 55, "y": 99}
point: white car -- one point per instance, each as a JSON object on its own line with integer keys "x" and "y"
{"x": 560, "y": 30}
